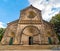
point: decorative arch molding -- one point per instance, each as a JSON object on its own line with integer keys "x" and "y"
{"x": 27, "y": 29}
{"x": 32, "y": 29}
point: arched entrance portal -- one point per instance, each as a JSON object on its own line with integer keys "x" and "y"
{"x": 30, "y": 35}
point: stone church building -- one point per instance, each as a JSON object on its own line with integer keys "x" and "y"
{"x": 29, "y": 29}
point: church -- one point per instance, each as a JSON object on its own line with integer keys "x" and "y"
{"x": 30, "y": 29}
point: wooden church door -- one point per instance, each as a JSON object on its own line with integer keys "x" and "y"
{"x": 50, "y": 41}
{"x": 30, "y": 40}
{"x": 11, "y": 41}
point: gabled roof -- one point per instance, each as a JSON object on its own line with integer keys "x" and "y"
{"x": 30, "y": 7}
{"x": 48, "y": 23}
{"x": 13, "y": 22}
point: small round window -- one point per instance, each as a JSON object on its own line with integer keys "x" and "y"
{"x": 31, "y": 14}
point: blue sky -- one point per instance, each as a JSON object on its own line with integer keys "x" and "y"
{"x": 10, "y": 9}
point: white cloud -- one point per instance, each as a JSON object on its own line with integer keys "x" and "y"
{"x": 49, "y": 7}
{"x": 2, "y": 25}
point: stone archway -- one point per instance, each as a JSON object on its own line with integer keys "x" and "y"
{"x": 30, "y": 33}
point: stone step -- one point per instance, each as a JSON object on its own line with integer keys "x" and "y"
{"x": 29, "y": 47}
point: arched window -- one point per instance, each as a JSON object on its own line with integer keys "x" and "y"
{"x": 32, "y": 14}
{"x": 12, "y": 34}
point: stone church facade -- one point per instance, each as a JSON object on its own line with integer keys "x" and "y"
{"x": 30, "y": 29}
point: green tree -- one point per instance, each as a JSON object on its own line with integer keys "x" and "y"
{"x": 2, "y": 30}
{"x": 56, "y": 21}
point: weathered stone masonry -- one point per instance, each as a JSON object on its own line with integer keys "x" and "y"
{"x": 30, "y": 29}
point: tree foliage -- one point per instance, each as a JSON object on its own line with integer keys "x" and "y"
{"x": 2, "y": 30}
{"x": 56, "y": 21}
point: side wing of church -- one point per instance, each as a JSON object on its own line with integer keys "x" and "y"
{"x": 30, "y": 29}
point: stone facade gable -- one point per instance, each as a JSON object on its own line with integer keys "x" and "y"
{"x": 30, "y": 29}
